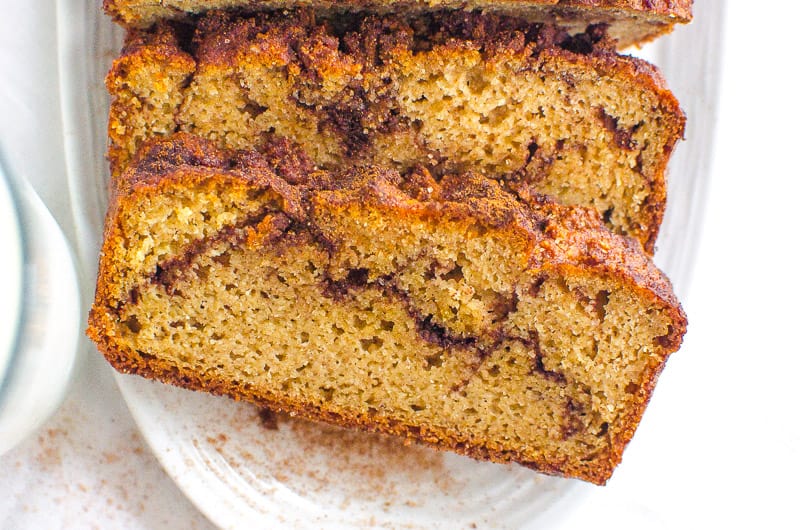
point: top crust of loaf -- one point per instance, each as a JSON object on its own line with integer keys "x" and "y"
{"x": 631, "y": 21}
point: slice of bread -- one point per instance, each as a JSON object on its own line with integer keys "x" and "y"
{"x": 447, "y": 312}
{"x": 564, "y": 115}
{"x": 630, "y": 21}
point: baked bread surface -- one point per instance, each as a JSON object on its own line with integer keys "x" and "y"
{"x": 449, "y": 312}
{"x": 528, "y": 104}
{"x": 630, "y": 21}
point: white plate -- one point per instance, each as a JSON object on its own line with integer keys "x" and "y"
{"x": 241, "y": 473}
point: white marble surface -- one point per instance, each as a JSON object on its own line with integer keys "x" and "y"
{"x": 719, "y": 445}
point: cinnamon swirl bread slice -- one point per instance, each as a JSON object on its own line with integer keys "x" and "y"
{"x": 526, "y": 104}
{"x": 447, "y": 312}
{"x": 630, "y": 21}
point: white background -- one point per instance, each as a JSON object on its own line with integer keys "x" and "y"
{"x": 720, "y": 443}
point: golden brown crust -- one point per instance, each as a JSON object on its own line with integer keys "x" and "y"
{"x": 312, "y": 54}
{"x": 632, "y": 21}
{"x": 553, "y": 239}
